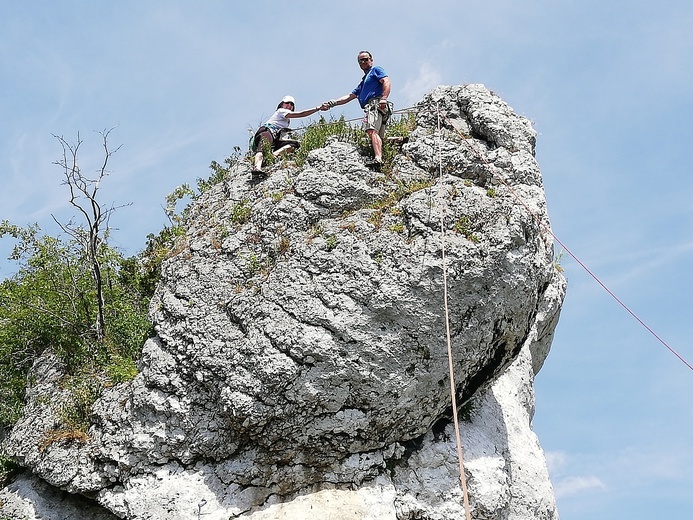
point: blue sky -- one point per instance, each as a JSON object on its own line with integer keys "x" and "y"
{"x": 608, "y": 86}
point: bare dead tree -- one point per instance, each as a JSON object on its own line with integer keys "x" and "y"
{"x": 83, "y": 196}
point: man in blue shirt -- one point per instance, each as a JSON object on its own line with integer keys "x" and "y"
{"x": 372, "y": 94}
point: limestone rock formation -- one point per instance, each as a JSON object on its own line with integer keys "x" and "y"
{"x": 300, "y": 367}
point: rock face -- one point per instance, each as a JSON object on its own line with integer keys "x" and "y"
{"x": 300, "y": 368}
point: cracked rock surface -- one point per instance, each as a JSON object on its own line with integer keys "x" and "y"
{"x": 300, "y": 362}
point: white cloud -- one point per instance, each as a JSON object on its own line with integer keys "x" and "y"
{"x": 555, "y": 460}
{"x": 576, "y": 485}
{"x": 560, "y": 463}
{"x": 425, "y": 80}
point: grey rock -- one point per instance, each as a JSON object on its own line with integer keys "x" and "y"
{"x": 30, "y": 498}
{"x": 300, "y": 361}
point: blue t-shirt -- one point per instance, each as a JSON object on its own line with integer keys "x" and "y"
{"x": 370, "y": 85}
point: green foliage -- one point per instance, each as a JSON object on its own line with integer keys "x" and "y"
{"x": 397, "y": 227}
{"x": 121, "y": 369}
{"x": 146, "y": 270}
{"x": 463, "y": 226}
{"x": 277, "y": 196}
{"x": 315, "y": 230}
{"x": 316, "y": 135}
{"x": 241, "y": 212}
{"x": 182, "y": 191}
{"x": 389, "y": 201}
{"x": 398, "y": 127}
{"x": 331, "y": 242}
{"x": 268, "y": 157}
{"x": 127, "y": 325}
{"x": 256, "y": 264}
{"x": 7, "y": 467}
{"x": 402, "y": 190}
{"x": 84, "y": 390}
{"x": 50, "y": 302}
{"x": 219, "y": 173}
{"x": 139, "y": 274}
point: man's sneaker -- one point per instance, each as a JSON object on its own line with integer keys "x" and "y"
{"x": 258, "y": 174}
{"x": 375, "y": 165}
{"x": 398, "y": 139}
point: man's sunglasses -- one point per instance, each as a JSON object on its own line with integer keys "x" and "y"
{"x": 364, "y": 59}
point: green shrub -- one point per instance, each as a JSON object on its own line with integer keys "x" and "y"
{"x": 399, "y": 127}
{"x": 463, "y": 226}
{"x": 8, "y": 466}
{"x": 241, "y": 212}
{"x": 121, "y": 369}
{"x": 84, "y": 389}
{"x": 331, "y": 242}
{"x": 315, "y": 136}
{"x": 50, "y": 302}
{"x": 397, "y": 227}
{"x": 219, "y": 173}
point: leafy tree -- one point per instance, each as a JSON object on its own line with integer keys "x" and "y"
{"x": 51, "y": 302}
{"x": 75, "y": 295}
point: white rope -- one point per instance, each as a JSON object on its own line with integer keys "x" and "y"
{"x": 463, "y": 479}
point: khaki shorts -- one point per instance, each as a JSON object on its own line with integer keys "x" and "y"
{"x": 375, "y": 119}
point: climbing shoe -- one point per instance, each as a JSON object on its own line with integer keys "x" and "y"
{"x": 375, "y": 165}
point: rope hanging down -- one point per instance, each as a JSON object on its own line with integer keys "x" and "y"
{"x": 542, "y": 225}
{"x": 463, "y": 479}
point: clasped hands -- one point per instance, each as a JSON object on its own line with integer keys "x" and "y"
{"x": 332, "y": 103}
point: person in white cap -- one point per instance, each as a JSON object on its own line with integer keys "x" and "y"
{"x": 269, "y": 134}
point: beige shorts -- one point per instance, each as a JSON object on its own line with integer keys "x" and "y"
{"x": 375, "y": 119}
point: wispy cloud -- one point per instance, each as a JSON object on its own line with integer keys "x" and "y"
{"x": 574, "y": 475}
{"x": 576, "y": 485}
{"x": 555, "y": 460}
{"x": 424, "y": 81}
{"x": 560, "y": 463}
